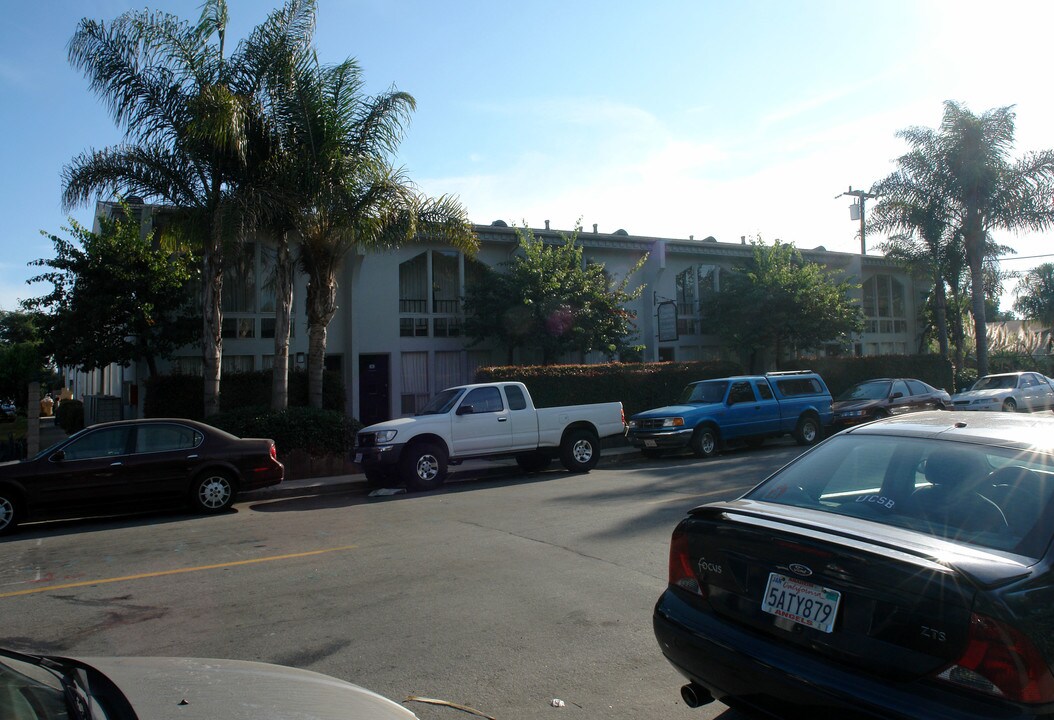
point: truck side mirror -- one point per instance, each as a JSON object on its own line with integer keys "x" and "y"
{"x": 465, "y": 410}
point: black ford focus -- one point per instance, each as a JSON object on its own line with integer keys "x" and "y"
{"x": 901, "y": 569}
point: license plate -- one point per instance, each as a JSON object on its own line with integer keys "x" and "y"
{"x": 649, "y": 443}
{"x": 802, "y": 602}
{"x": 358, "y": 457}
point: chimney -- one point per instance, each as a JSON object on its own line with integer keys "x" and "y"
{"x": 594, "y": 228}
{"x": 742, "y": 239}
{"x": 546, "y": 224}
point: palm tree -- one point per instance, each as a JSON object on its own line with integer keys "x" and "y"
{"x": 991, "y": 192}
{"x": 348, "y": 194}
{"x": 190, "y": 115}
{"x": 1035, "y": 295}
{"x": 277, "y": 53}
{"x": 912, "y": 206}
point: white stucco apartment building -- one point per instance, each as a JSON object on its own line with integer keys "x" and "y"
{"x": 397, "y": 337}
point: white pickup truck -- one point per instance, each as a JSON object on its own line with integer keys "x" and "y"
{"x": 487, "y": 420}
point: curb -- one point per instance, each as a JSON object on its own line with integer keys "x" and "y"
{"x": 357, "y": 482}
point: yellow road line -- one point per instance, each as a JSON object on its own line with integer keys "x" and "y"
{"x": 162, "y": 573}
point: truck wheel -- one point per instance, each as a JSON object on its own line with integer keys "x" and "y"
{"x": 533, "y": 462}
{"x": 580, "y": 451}
{"x": 808, "y": 431}
{"x": 423, "y": 466}
{"x": 704, "y": 442}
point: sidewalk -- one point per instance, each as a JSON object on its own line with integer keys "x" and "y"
{"x": 468, "y": 469}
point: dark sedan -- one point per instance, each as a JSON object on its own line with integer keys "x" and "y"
{"x": 882, "y": 397}
{"x": 131, "y": 464}
{"x": 901, "y": 569}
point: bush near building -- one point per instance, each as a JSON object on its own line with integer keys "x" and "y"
{"x": 641, "y": 386}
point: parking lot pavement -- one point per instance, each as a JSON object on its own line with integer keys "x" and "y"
{"x": 470, "y": 468}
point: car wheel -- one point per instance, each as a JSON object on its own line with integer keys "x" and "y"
{"x": 10, "y": 511}
{"x": 533, "y": 462}
{"x": 423, "y": 466}
{"x": 213, "y": 492}
{"x": 580, "y": 451}
{"x": 379, "y": 477}
{"x": 1010, "y": 405}
{"x": 808, "y": 431}
{"x": 704, "y": 442}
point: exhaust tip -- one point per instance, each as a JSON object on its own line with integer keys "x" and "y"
{"x": 695, "y": 695}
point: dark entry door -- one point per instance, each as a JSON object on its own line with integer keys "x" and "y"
{"x": 374, "y": 389}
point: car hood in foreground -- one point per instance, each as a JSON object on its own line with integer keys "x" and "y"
{"x": 205, "y": 689}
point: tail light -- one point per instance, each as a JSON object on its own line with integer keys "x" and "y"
{"x": 274, "y": 453}
{"x": 681, "y": 573}
{"x": 1000, "y": 660}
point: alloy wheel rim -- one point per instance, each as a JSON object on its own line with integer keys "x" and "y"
{"x": 583, "y": 451}
{"x": 427, "y": 467}
{"x": 7, "y": 512}
{"x": 214, "y": 493}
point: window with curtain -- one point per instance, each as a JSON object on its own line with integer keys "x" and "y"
{"x": 446, "y": 282}
{"x": 239, "y": 280}
{"x": 413, "y": 285}
{"x": 448, "y": 369}
{"x": 415, "y": 381}
{"x": 884, "y": 305}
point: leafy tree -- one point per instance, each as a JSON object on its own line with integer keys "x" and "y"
{"x": 345, "y": 192}
{"x": 22, "y": 359}
{"x": 775, "y": 301}
{"x": 1034, "y": 296}
{"x": 115, "y": 298}
{"x": 190, "y": 115}
{"x": 546, "y": 297}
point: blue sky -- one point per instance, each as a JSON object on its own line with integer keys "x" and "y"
{"x": 670, "y": 118}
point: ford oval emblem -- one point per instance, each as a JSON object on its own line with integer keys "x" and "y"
{"x": 800, "y": 569}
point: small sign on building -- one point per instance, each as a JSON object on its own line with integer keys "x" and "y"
{"x": 667, "y": 313}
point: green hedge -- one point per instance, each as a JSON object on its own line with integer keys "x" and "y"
{"x": 70, "y": 416}
{"x": 296, "y": 428}
{"x": 183, "y": 395}
{"x": 642, "y": 386}
{"x": 638, "y": 386}
{"x": 841, "y": 373}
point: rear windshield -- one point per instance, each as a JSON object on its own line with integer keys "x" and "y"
{"x": 997, "y": 498}
{"x": 799, "y": 386}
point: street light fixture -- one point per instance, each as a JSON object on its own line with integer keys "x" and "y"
{"x": 856, "y": 211}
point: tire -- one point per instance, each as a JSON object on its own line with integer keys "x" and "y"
{"x": 10, "y": 511}
{"x": 423, "y": 466}
{"x": 533, "y": 462}
{"x": 213, "y": 492}
{"x": 704, "y": 442}
{"x": 1010, "y": 405}
{"x": 380, "y": 477}
{"x": 580, "y": 451}
{"x": 808, "y": 431}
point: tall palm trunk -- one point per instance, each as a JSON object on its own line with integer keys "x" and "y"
{"x": 974, "y": 240}
{"x": 321, "y": 307}
{"x": 941, "y": 300}
{"x": 283, "y": 290}
{"x": 212, "y": 315}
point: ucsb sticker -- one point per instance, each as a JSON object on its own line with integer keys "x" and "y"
{"x": 877, "y": 500}
{"x": 705, "y": 566}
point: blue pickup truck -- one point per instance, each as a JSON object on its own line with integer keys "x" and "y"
{"x": 712, "y": 413}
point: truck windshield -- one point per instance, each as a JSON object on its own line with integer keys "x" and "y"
{"x": 442, "y": 402}
{"x": 704, "y": 392}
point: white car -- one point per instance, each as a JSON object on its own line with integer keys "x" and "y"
{"x": 1007, "y": 392}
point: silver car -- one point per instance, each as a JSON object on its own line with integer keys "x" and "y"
{"x": 1007, "y": 392}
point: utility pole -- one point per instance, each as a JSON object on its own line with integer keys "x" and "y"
{"x": 856, "y": 211}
